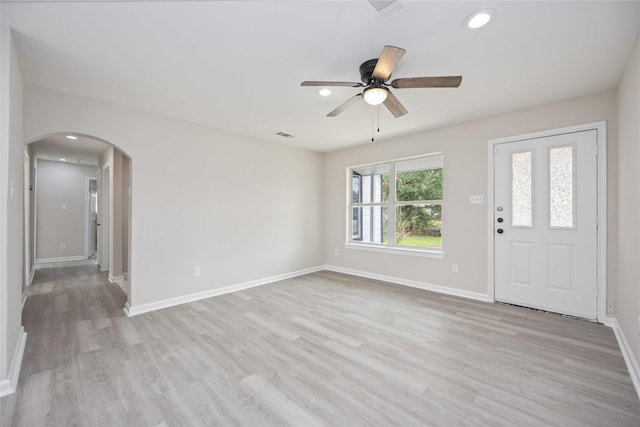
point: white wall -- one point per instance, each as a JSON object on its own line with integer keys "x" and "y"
{"x": 61, "y": 183}
{"x": 628, "y": 312}
{"x": 11, "y": 207}
{"x": 465, "y": 173}
{"x": 239, "y": 208}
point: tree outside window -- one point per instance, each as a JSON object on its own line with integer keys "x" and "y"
{"x": 405, "y": 211}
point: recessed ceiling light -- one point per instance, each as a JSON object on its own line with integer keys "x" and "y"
{"x": 479, "y": 19}
{"x": 324, "y": 92}
{"x": 71, "y": 137}
{"x": 63, "y": 160}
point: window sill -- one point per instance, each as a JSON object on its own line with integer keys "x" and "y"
{"x": 424, "y": 253}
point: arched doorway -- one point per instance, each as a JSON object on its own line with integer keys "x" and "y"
{"x": 78, "y": 188}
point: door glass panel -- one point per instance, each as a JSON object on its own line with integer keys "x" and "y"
{"x": 561, "y": 191}
{"x": 521, "y": 189}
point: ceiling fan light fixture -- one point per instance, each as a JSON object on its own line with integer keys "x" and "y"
{"x": 71, "y": 137}
{"x": 375, "y": 95}
{"x": 479, "y": 19}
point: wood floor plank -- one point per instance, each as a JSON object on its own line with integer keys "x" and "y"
{"x": 319, "y": 349}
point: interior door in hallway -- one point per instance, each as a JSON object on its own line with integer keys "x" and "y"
{"x": 545, "y": 223}
{"x": 93, "y": 217}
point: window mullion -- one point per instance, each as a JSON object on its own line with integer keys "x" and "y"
{"x": 391, "y": 209}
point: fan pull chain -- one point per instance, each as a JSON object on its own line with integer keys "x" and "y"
{"x": 372, "y": 125}
{"x": 378, "y": 118}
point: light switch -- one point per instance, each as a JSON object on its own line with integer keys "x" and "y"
{"x": 476, "y": 199}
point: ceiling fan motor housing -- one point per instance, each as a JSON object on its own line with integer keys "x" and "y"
{"x": 366, "y": 72}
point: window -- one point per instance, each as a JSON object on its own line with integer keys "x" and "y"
{"x": 397, "y": 204}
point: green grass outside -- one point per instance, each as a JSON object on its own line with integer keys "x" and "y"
{"x": 422, "y": 241}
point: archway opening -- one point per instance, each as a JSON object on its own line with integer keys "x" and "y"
{"x": 78, "y": 205}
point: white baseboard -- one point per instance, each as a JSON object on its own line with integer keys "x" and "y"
{"x": 31, "y": 274}
{"x": 115, "y": 279}
{"x": 629, "y": 358}
{"x": 412, "y": 283}
{"x": 8, "y": 386}
{"x": 60, "y": 259}
{"x": 130, "y": 310}
{"x": 24, "y": 300}
{"x": 126, "y": 276}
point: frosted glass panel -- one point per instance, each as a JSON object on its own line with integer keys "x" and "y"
{"x": 561, "y": 212}
{"x": 521, "y": 190}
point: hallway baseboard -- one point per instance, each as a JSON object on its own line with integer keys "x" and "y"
{"x": 60, "y": 259}
{"x": 9, "y": 385}
{"x": 116, "y": 279}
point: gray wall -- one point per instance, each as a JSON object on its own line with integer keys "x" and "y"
{"x": 241, "y": 209}
{"x": 465, "y": 149}
{"x": 11, "y": 206}
{"x": 61, "y": 183}
{"x": 628, "y": 250}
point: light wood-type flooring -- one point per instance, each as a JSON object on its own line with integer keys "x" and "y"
{"x": 321, "y": 349}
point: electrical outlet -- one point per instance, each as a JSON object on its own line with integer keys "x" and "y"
{"x": 611, "y": 308}
{"x": 64, "y": 206}
{"x": 63, "y": 245}
{"x": 454, "y": 268}
{"x": 196, "y": 271}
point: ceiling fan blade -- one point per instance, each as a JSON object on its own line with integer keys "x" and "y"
{"x": 387, "y": 62}
{"x": 346, "y": 84}
{"x": 417, "y": 82}
{"x": 348, "y": 103}
{"x": 394, "y": 105}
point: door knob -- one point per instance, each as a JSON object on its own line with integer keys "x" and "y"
{"x": 500, "y": 231}
{"x": 500, "y": 219}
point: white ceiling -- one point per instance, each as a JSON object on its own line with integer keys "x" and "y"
{"x": 237, "y": 65}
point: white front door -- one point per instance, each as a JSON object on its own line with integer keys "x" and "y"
{"x": 545, "y": 223}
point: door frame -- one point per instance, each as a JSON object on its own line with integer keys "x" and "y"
{"x": 28, "y": 268}
{"x": 106, "y": 218}
{"x": 87, "y": 208}
{"x": 601, "y": 252}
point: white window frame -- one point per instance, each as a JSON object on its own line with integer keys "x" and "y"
{"x": 390, "y": 247}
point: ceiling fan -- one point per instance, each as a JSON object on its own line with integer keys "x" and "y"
{"x": 374, "y": 74}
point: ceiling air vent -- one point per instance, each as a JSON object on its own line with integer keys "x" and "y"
{"x": 284, "y": 135}
{"x": 387, "y": 9}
